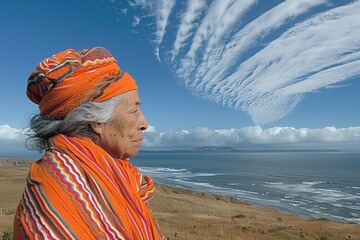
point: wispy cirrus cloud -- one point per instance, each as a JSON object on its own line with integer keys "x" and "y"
{"x": 161, "y": 10}
{"x": 192, "y": 13}
{"x": 255, "y": 56}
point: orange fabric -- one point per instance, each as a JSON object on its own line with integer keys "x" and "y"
{"x": 64, "y": 81}
{"x": 78, "y": 191}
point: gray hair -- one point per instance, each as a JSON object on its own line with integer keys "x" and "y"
{"x": 76, "y": 123}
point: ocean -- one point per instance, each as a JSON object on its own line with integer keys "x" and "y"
{"x": 308, "y": 184}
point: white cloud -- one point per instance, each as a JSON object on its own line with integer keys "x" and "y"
{"x": 142, "y": 3}
{"x": 163, "y": 12}
{"x": 161, "y": 9}
{"x": 124, "y": 11}
{"x": 9, "y": 133}
{"x": 150, "y": 129}
{"x": 194, "y": 8}
{"x": 256, "y": 137}
{"x": 12, "y": 142}
{"x": 307, "y": 57}
{"x": 264, "y": 66}
{"x": 136, "y": 21}
{"x": 214, "y": 27}
{"x": 251, "y": 35}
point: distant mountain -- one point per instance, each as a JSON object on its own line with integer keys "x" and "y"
{"x": 215, "y": 149}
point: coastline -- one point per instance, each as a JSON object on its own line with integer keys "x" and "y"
{"x": 190, "y": 214}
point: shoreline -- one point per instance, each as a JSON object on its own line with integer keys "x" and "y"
{"x": 232, "y": 199}
{"x": 306, "y": 214}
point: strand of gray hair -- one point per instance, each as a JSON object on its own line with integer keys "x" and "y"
{"x": 76, "y": 123}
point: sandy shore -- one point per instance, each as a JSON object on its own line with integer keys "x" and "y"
{"x": 188, "y": 214}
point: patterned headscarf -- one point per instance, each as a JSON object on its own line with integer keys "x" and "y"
{"x": 67, "y": 79}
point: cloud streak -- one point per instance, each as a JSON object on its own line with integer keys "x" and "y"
{"x": 261, "y": 60}
{"x": 161, "y": 10}
{"x": 193, "y": 10}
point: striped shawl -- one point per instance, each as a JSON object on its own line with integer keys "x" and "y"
{"x": 78, "y": 191}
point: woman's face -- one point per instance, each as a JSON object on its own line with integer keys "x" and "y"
{"x": 122, "y": 136}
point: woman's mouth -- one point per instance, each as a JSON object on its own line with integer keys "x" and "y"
{"x": 137, "y": 142}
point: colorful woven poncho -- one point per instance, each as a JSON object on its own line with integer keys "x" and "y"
{"x": 78, "y": 191}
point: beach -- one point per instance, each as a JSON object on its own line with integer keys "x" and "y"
{"x": 189, "y": 214}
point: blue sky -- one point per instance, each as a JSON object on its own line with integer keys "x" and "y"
{"x": 223, "y": 72}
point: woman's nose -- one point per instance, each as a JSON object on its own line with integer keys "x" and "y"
{"x": 143, "y": 123}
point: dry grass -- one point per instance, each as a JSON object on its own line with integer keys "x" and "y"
{"x": 186, "y": 214}
{"x": 12, "y": 183}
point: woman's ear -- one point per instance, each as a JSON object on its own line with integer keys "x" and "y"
{"x": 97, "y": 127}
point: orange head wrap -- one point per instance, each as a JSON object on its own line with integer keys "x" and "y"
{"x": 66, "y": 80}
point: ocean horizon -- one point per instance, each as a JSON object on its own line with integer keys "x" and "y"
{"x": 307, "y": 184}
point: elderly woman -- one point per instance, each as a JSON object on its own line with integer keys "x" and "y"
{"x": 89, "y": 125}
